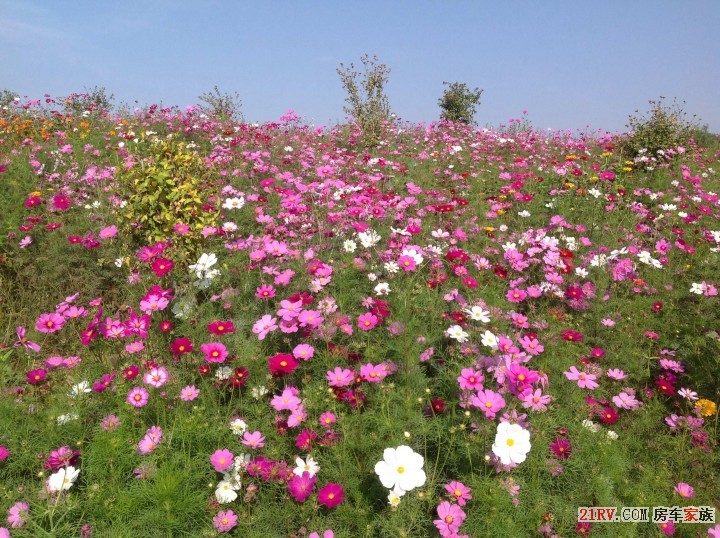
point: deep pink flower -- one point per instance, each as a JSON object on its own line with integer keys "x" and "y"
{"x": 301, "y": 487}
{"x": 331, "y": 495}
{"x": 686, "y": 491}
{"x": 214, "y": 352}
{"x": 489, "y": 402}
{"x": 4, "y": 453}
{"x": 22, "y": 341}
{"x": 282, "y": 364}
{"x": 36, "y": 376}
{"x": 459, "y": 491}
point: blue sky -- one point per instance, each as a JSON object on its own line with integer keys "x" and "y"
{"x": 570, "y": 64}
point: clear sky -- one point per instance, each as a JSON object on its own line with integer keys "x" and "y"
{"x": 569, "y": 63}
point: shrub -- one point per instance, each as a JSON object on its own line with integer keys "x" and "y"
{"x": 367, "y": 102}
{"x": 458, "y": 102}
{"x": 223, "y": 105}
{"x": 665, "y": 127}
{"x": 165, "y": 189}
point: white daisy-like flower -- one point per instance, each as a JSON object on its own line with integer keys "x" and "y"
{"x": 63, "y": 479}
{"x": 401, "y": 470}
{"x": 392, "y": 267}
{"x": 382, "y": 289}
{"x": 238, "y": 426}
{"x": 349, "y": 245}
{"x": 476, "y": 313}
{"x": 512, "y": 443}
{"x": 225, "y": 492}
{"x": 308, "y": 465}
{"x": 369, "y": 238}
{"x": 456, "y": 333}
{"x": 79, "y": 389}
{"x": 489, "y": 340}
{"x": 223, "y": 372}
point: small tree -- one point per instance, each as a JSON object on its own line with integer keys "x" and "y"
{"x": 367, "y": 102}
{"x": 458, "y": 103}
{"x": 224, "y": 105}
{"x": 7, "y": 98}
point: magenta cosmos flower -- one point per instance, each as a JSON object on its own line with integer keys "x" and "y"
{"x": 584, "y": 380}
{"x": 156, "y": 377}
{"x": 49, "y": 323}
{"x": 265, "y": 326}
{"x": 214, "y": 352}
{"x": 138, "y": 397}
{"x": 301, "y": 487}
{"x": 489, "y": 402}
{"x": 459, "y": 492}
{"x": 331, "y": 495}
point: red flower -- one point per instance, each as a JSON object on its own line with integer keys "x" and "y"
{"x": 664, "y": 386}
{"x": 331, "y": 495}
{"x": 572, "y": 336}
{"x": 165, "y": 326}
{"x": 282, "y": 364}
{"x": 609, "y": 415}
{"x": 305, "y": 440}
{"x": 130, "y": 373}
{"x": 181, "y": 346}
{"x": 561, "y": 448}
{"x": 239, "y": 377}
{"x": 221, "y": 327}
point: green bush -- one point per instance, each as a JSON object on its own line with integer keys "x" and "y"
{"x": 164, "y": 189}
{"x": 665, "y": 127}
{"x": 458, "y": 102}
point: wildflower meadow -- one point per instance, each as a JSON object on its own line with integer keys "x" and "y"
{"x": 213, "y": 327}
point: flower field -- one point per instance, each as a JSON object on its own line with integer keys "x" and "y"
{"x": 272, "y": 330}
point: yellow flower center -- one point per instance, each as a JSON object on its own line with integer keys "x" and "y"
{"x": 510, "y": 442}
{"x": 401, "y": 470}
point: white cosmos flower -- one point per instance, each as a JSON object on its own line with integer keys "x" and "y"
{"x": 392, "y": 267}
{"x": 456, "y": 332}
{"x": 349, "y": 245}
{"x": 512, "y": 443}
{"x": 490, "y": 340}
{"x": 382, "y": 289}
{"x": 478, "y": 314}
{"x": 63, "y": 479}
{"x": 79, "y": 389}
{"x": 308, "y": 465}
{"x": 414, "y": 254}
{"x": 697, "y": 288}
{"x": 225, "y": 492}
{"x": 401, "y": 469}
{"x": 204, "y": 264}
{"x": 238, "y": 426}
{"x": 234, "y": 203}
{"x": 369, "y": 238}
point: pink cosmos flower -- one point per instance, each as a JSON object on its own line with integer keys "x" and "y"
{"x": 367, "y": 321}
{"x": 297, "y": 417}
{"x": 17, "y": 514}
{"x": 303, "y": 351}
{"x": 489, "y": 402}
{"x": 584, "y": 380}
{"x": 253, "y": 440}
{"x": 222, "y": 459}
{"x": 373, "y": 373}
{"x": 327, "y": 534}
{"x": 138, "y": 397}
{"x": 407, "y": 263}
{"x": 616, "y": 373}
{"x": 327, "y": 419}
{"x": 340, "y": 377}
{"x": 265, "y": 292}
{"x": 22, "y": 341}
{"x": 214, "y": 352}
{"x": 470, "y": 379}
{"x": 451, "y": 517}
{"x": 153, "y": 303}
{"x": 287, "y": 401}
{"x": 181, "y": 229}
{"x": 4, "y": 452}
{"x": 225, "y": 521}
{"x": 189, "y": 393}
{"x": 49, "y": 323}
{"x": 264, "y": 326}
{"x": 330, "y": 495}
{"x": 156, "y": 377}
{"x": 107, "y": 233}
{"x": 535, "y": 400}
{"x": 459, "y": 491}
{"x": 310, "y": 318}
{"x": 686, "y": 491}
